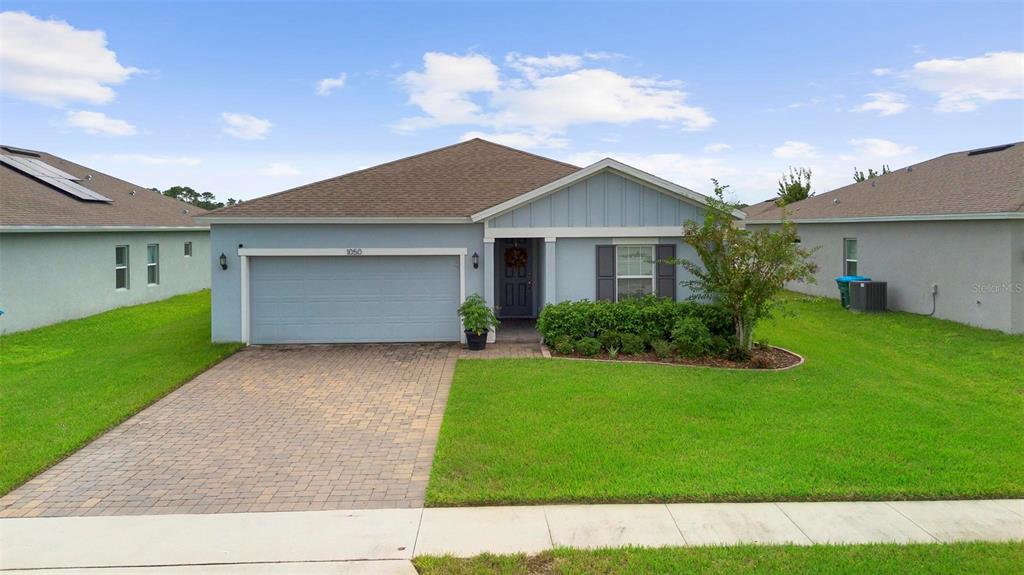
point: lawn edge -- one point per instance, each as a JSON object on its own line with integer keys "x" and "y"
{"x": 85, "y": 442}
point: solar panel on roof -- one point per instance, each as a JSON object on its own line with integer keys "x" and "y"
{"x": 50, "y": 175}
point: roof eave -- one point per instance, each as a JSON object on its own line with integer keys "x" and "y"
{"x": 212, "y": 219}
{"x": 898, "y": 218}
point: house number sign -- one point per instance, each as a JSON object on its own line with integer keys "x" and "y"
{"x": 354, "y": 251}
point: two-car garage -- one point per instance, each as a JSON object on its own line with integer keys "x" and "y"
{"x": 352, "y": 295}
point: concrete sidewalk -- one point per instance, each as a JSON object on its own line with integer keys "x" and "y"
{"x": 399, "y": 534}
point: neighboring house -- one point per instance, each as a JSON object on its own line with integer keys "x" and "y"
{"x": 74, "y": 242}
{"x": 955, "y": 222}
{"x": 386, "y": 254}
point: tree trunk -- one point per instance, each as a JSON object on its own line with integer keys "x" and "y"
{"x": 744, "y": 333}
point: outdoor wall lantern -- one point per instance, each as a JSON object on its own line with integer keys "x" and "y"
{"x": 223, "y": 262}
{"x": 476, "y": 260}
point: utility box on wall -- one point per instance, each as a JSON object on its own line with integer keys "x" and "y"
{"x": 868, "y": 296}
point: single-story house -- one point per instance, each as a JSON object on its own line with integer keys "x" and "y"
{"x": 387, "y": 254}
{"x": 75, "y": 242}
{"x": 947, "y": 235}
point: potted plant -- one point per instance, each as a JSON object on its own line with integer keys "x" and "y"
{"x": 477, "y": 320}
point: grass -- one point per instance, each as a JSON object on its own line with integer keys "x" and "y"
{"x": 64, "y": 384}
{"x": 964, "y": 558}
{"x": 892, "y": 406}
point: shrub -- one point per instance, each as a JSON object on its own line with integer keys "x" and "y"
{"x": 563, "y": 345}
{"x": 476, "y": 315}
{"x": 692, "y": 338}
{"x": 632, "y": 344}
{"x": 611, "y": 340}
{"x": 662, "y": 348}
{"x": 588, "y": 346}
{"x": 649, "y": 317}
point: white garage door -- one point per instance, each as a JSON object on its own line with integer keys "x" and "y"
{"x": 329, "y": 299}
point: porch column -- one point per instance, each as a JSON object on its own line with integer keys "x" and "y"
{"x": 489, "y": 295}
{"x": 549, "y": 271}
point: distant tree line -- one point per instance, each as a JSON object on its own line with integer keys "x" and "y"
{"x": 205, "y": 200}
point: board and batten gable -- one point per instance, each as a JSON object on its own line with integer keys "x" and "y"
{"x": 605, "y": 199}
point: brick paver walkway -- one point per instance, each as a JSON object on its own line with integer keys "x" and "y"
{"x": 282, "y": 428}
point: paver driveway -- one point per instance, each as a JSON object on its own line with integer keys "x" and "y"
{"x": 269, "y": 429}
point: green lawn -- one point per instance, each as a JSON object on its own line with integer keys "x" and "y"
{"x": 964, "y": 558}
{"x": 62, "y": 385}
{"x": 886, "y": 407}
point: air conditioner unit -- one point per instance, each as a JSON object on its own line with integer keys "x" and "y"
{"x": 868, "y": 296}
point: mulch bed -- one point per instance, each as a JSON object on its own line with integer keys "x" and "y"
{"x": 761, "y": 357}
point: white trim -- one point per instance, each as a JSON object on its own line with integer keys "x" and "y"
{"x": 352, "y": 252}
{"x": 488, "y": 240}
{"x": 635, "y": 241}
{"x": 244, "y": 268}
{"x": 333, "y": 220}
{"x": 585, "y": 232}
{"x": 550, "y": 240}
{"x": 599, "y": 166}
{"x": 246, "y": 253}
{"x": 39, "y": 229}
{"x": 921, "y": 218}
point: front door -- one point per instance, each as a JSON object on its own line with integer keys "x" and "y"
{"x": 515, "y": 282}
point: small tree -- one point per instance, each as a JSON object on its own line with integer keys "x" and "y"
{"x": 794, "y": 186}
{"x": 742, "y": 270}
{"x": 860, "y": 176}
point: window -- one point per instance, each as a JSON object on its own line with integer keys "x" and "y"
{"x": 153, "y": 264}
{"x": 634, "y": 271}
{"x": 188, "y": 249}
{"x": 850, "y": 256}
{"x": 121, "y": 267}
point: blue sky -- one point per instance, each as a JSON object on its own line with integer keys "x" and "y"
{"x": 228, "y": 97}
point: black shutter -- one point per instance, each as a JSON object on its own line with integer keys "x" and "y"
{"x": 606, "y": 273}
{"x": 666, "y": 273}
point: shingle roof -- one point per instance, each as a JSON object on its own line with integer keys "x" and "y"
{"x": 25, "y": 201}
{"x": 455, "y": 181}
{"x": 988, "y": 180}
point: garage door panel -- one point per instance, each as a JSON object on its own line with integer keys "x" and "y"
{"x": 327, "y": 299}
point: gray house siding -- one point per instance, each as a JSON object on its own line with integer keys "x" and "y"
{"x": 976, "y": 265}
{"x": 576, "y": 267}
{"x": 226, "y": 238}
{"x": 49, "y": 277}
{"x": 603, "y": 200}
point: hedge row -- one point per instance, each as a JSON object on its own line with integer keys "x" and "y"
{"x": 649, "y": 317}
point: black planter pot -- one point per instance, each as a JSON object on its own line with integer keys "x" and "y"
{"x": 476, "y": 342}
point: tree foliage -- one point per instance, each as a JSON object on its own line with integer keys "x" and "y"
{"x": 794, "y": 186}
{"x": 741, "y": 270}
{"x": 205, "y": 200}
{"x": 860, "y": 176}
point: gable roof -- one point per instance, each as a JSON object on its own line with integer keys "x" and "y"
{"x": 451, "y": 182}
{"x": 987, "y": 182}
{"x": 27, "y": 202}
{"x": 607, "y": 164}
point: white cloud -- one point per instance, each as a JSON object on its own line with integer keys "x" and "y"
{"x": 717, "y": 147}
{"x": 443, "y": 89}
{"x": 882, "y": 71}
{"x": 963, "y": 85}
{"x": 327, "y": 85}
{"x": 51, "y": 62}
{"x": 879, "y": 148}
{"x": 148, "y": 160}
{"x": 279, "y": 169}
{"x": 885, "y": 103}
{"x": 693, "y": 172}
{"x": 244, "y": 126}
{"x": 520, "y": 139}
{"x": 545, "y": 96}
{"x": 99, "y": 123}
{"x": 790, "y": 150}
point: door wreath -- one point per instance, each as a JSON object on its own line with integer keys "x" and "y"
{"x": 516, "y": 257}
